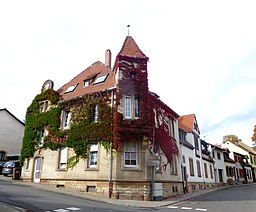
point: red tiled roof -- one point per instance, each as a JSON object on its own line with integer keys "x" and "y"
{"x": 131, "y": 49}
{"x": 97, "y": 69}
{"x": 186, "y": 122}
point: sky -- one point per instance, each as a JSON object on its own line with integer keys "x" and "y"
{"x": 202, "y": 54}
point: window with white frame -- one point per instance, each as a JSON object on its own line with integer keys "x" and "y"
{"x": 63, "y": 156}
{"x": 170, "y": 124}
{"x": 66, "y": 119}
{"x": 131, "y": 107}
{"x": 95, "y": 113}
{"x": 174, "y": 169}
{"x": 130, "y": 154}
{"x": 44, "y": 106}
{"x": 136, "y": 107}
{"x": 43, "y": 133}
{"x": 93, "y": 157}
{"x": 128, "y": 107}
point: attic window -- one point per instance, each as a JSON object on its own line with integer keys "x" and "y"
{"x": 86, "y": 83}
{"x": 101, "y": 79}
{"x": 71, "y": 88}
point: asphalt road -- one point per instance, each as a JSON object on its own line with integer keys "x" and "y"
{"x": 233, "y": 199}
{"x": 38, "y": 200}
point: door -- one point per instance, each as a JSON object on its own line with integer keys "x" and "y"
{"x": 185, "y": 175}
{"x": 37, "y": 170}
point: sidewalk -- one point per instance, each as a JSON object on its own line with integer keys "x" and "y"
{"x": 131, "y": 203}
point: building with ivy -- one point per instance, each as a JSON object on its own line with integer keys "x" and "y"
{"x": 104, "y": 132}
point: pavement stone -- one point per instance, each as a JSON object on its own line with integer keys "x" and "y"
{"x": 90, "y": 196}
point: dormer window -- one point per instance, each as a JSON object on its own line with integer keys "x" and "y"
{"x": 86, "y": 83}
{"x": 71, "y": 88}
{"x": 101, "y": 79}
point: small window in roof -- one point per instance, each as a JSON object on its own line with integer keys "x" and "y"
{"x": 86, "y": 83}
{"x": 101, "y": 79}
{"x": 71, "y": 88}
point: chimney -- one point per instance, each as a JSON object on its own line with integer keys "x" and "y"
{"x": 108, "y": 58}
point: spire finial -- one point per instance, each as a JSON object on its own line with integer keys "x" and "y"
{"x": 128, "y": 26}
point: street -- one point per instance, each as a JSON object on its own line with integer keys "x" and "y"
{"x": 240, "y": 198}
{"x": 234, "y": 199}
{"x": 38, "y": 200}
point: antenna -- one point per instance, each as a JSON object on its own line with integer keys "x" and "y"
{"x": 128, "y": 26}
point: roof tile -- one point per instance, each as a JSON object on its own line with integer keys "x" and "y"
{"x": 97, "y": 69}
{"x": 131, "y": 49}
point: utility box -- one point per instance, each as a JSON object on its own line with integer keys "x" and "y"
{"x": 16, "y": 173}
{"x": 158, "y": 192}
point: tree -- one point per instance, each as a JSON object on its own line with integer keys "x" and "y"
{"x": 231, "y": 138}
{"x": 254, "y": 135}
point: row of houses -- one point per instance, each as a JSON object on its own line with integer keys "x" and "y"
{"x": 104, "y": 132}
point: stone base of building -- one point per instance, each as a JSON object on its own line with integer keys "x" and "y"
{"x": 197, "y": 186}
{"x": 117, "y": 189}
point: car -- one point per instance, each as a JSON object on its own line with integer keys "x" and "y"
{"x": 1, "y": 166}
{"x": 9, "y": 166}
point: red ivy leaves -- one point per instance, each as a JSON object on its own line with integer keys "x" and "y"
{"x": 159, "y": 135}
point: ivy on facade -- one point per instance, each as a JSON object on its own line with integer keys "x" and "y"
{"x": 82, "y": 132}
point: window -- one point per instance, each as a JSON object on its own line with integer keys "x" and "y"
{"x": 128, "y": 107}
{"x": 198, "y": 168}
{"x": 251, "y": 160}
{"x": 66, "y": 119}
{"x": 182, "y": 136}
{"x": 196, "y": 142}
{"x": 100, "y": 79}
{"x": 205, "y": 170}
{"x": 191, "y": 167}
{"x": 43, "y": 133}
{"x": 228, "y": 171}
{"x": 71, "y": 88}
{"x": 183, "y": 158}
{"x": 218, "y": 155}
{"x": 86, "y": 83}
{"x": 95, "y": 113}
{"x": 63, "y": 157}
{"x": 130, "y": 154}
{"x": 170, "y": 127}
{"x": 93, "y": 158}
{"x": 27, "y": 163}
{"x": 2, "y": 155}
{"x": 136, "y": 108}
{"x": 211, "y": 172}
{"x": 174, "y": 170}
{"x": 44, "y": 106}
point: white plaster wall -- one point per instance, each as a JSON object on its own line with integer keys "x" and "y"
{"x": 11, "y": 134}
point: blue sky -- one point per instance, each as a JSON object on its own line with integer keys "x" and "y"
{"x": 202, "y": 53}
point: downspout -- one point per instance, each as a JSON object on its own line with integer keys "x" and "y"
{"x": 111, "y": 151}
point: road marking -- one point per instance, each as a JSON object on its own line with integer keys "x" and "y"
{"x": 186, "y": 208}
{"x": 172, "y": 206}
{"x": 74, "y": 209}
{"x": 61, "y": 210}
{"x": 201, "y": 209}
